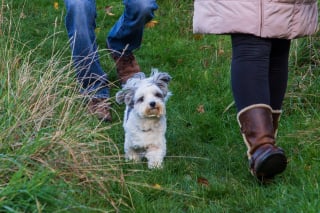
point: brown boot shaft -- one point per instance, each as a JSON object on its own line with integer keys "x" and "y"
{"x": 126, "y": 66}
{"x": 256, "y": 126}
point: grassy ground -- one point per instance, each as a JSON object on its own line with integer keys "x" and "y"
{"x": 56, "y": 158}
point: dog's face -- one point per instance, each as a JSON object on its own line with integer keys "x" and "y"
{"x": 147, "y": 96}
{"x": 149, "y": 100}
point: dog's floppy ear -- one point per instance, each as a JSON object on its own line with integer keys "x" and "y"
{"x": 161, "y": 79}
{"x": 125, "y": 96}
{"x": 120, "y": 96}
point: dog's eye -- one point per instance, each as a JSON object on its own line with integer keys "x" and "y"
{"x": 159, "y": 95}
{"x": 140, "y": 99}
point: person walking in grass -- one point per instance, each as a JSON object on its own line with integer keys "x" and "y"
{"x": 124, "y": 37}
{"x": 261, "y": 32}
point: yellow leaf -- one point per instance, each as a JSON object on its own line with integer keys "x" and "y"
{"x": 56, "y": 5}
{"x": 97, "y": 30}
{"x": 151, "y": 24}
{"x": 156, "y": 186}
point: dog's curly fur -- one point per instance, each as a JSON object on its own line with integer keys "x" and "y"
{"x": 145, "y": 116}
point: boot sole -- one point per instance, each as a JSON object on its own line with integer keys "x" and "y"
{"x": 270, "y": 165}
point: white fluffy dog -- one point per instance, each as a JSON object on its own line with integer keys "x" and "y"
{"x": 144, "y": 119}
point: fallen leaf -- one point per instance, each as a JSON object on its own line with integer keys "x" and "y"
{"x": 108, "y": 10}
{"x": 180, "y": 61}
{"x": 220, "y": 51}
{"x": 97, "y": 30}
{"x": 307, "y": 167}
{"x": 156, "y": 186}
{"x": 56, "y": 5}
{"x": 200, "y": 109}
{"x": 151, "y": 24}
{"x": 198, "y": 36}
{"x": 203, "y": 181}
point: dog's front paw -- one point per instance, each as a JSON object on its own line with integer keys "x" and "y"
{"x": 155, "y": 165}
{"x": 132, "y": 156}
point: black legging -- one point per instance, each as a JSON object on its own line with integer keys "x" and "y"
{"x": 259, "y": 70}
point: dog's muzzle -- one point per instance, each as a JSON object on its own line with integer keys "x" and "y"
{"x": 154, "y": 110}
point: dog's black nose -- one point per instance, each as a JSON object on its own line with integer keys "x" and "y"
{"x": 152, "y": 104}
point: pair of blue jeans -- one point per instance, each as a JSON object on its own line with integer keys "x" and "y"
{"x": 259, "y": 70}
{"x": 124, "y": 37}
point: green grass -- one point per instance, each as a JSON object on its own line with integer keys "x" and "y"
{"x": 54, "y": 157}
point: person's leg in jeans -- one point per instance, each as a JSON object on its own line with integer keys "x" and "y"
{"x": 250, "y": 75}
{"x": 126, "y": 35}
{"x": 80, "y": 24}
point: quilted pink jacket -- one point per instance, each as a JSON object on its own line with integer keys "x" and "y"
{"x": 265, "y": 18}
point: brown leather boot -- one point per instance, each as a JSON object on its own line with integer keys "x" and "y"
{"x": 265, "y": 158}
{"x": 100, "y": 107}
{"x": 126, "y": 66}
